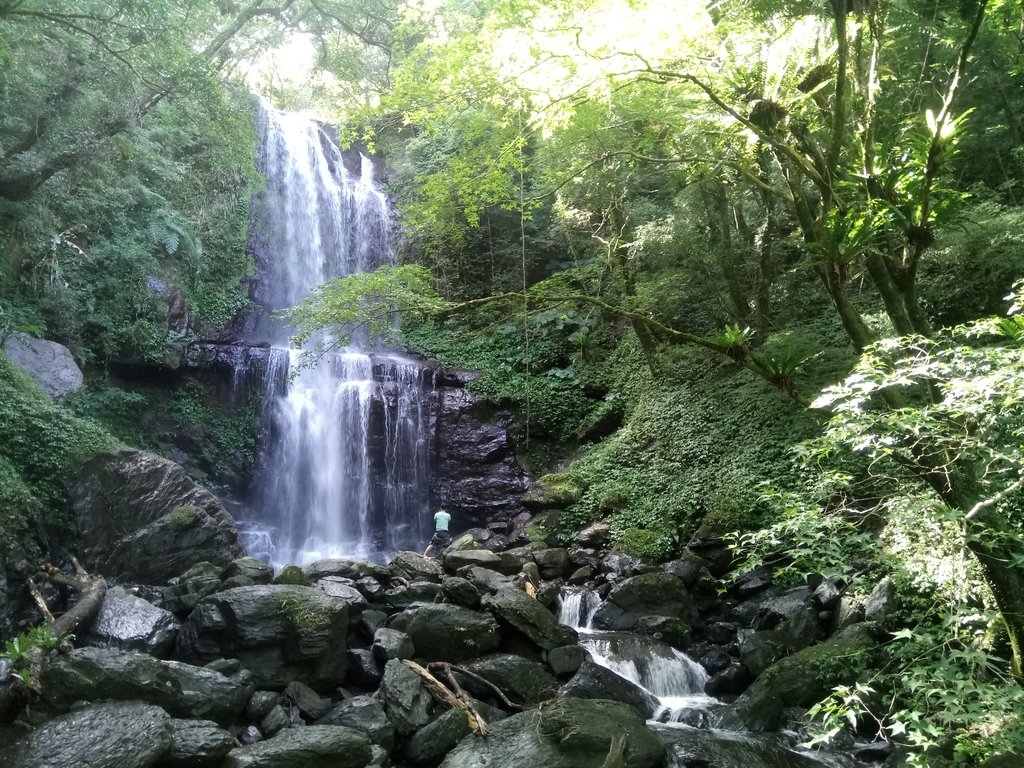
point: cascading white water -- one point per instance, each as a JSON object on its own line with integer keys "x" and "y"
{"x": 676, "y": 680}
{"x": 344, "y": 466}
{"x": 576, "y": 607}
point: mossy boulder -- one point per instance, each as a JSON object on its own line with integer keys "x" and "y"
{"x": 143, "y": 519}
{"x": 802, "y": 679}
{"x": 281, "y": 632}
{"x": 445, "y": 632}
{"x": 523, "y": 681}
{"x": 650, "y": 594}
{"x": 109, "y": 734}
{"x": 565, "y": 733}
{"x": 516, "y": 609}
{"x": 555, "y": 491}
{"x": 315, "y": 746}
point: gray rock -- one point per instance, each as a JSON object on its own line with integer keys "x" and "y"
{"x": 196, "y": 743}
{"x": 48, "y": 364}
{"x": 882, "y": 602}
{"x": 592, "y": 681}
{"x": 291, "y": 574}
{"x": 128, "y": 622}
{"x": 369, "y": 622}
{"x": 182, "y": 598}
{"x": 280, "y": 632}
{"x": 335, "y": 586}
{"x": 392, "y": 644}
{"x": 430, "y": 744}
{"x": 649, "y": 594}
{"x": 443, "y": 632}
{"x": 802, "y": 629}
{"x": 849, "y": 612}
{"x": 370, "y": 588}
{"x": 348, "y": 569}
{"x": 553, "y": 563}
{"x": 275, "y": 721}
{"x": 669, "y": 629}
{"x": 475, "y": 558}
{"x": 523, "y": 681}
{"x": 401, "y": 598}
{"x": 567, "y": 733}
{"x": 514, "y": 608}
{"x": 316, "y": 746}
{"x": 412, "y": 566}
{"x": 308, "y": 702}
{"x": 365, "y": 670}
{"x": 250, "y": 567}
{"x": 487, "y": 580}
{"x": 181, "y": 689}
{"x": 405, "y": 698}
{"x": 762, "y": 649}
{"x": 260, "y": 704}
{"x": 730, "y": 681}
{"x": 595, "y": 535}
{"x": 566, "y": 660}
{"x": 364, "y": 713}
{"x": 778, "y": 608}
{"x": 727, "y": 749}
{"x": 826, "y": 595}
{"x": 459, "y": 591}
{"x": 105, "y": 735}
{"x": 141, "y": 518}
{"x": 753, "y": 581}
{"x": 250, "y": 735}
{"x": 800, "y": 680}
{"x": 689, "y": 569}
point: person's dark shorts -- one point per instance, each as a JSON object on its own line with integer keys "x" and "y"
{"x": 441, "y": 539}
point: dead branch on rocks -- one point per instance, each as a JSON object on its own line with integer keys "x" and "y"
{"x": 449, "y": 668}
{"x": 456, "y": 699}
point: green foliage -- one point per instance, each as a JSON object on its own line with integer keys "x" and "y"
{"x": 42, "y": 445}
{"x": 19, "y": 650}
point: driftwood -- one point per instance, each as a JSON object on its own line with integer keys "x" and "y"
{"x": 91, "y": 590}
{"x": 449, "y": 668}
{"x": 457, "y": 699}
{"x": 615, "y": 758}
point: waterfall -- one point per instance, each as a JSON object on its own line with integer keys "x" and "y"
{"x": 343, "y": 467}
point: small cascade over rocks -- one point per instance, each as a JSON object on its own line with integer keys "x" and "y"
{"x": 344, "y": 464}
{"x": 576, "y": 607}
{"x": 676, "y": 680}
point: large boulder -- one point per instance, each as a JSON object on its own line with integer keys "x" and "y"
{"x": 315, "y": 746}
{"x": 713, "y": 748}
{"x": 567, "y": 733}
{"x": 445, "y": 632}
{"x": 48, "y": 364}
{"x": 801, "y": 680}
{"x": 650, "y": 594}
{"x": 127, "y": 621}
{"x": 364, "y": 713}
{"x": 280, "y": 632}
{"x": 412, "y": 566}
{"x": 196, "y": 743}
{"x": 514, "y": 608}
{"x": 592, "y": 681}
{"x": 405, "y": 698}
{"x": 522, "y": 681}
{"x": 183, "y": 690}
{"x": 143, "y": 519}
{"x": 105, "y": 735}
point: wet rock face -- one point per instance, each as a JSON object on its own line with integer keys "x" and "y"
{"x": 131, "y": 623}
{"x": 567, "y": 733}
{"x": 476, "y": 471}
{"x": 143, "y": 519}
{"x": 113, "y": 734}
{"x": 280, "y": 632}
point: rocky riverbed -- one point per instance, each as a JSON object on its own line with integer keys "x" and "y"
{"x": 236, "y": 665}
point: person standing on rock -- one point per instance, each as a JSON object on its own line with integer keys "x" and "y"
{"x": 441, "y": 537}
